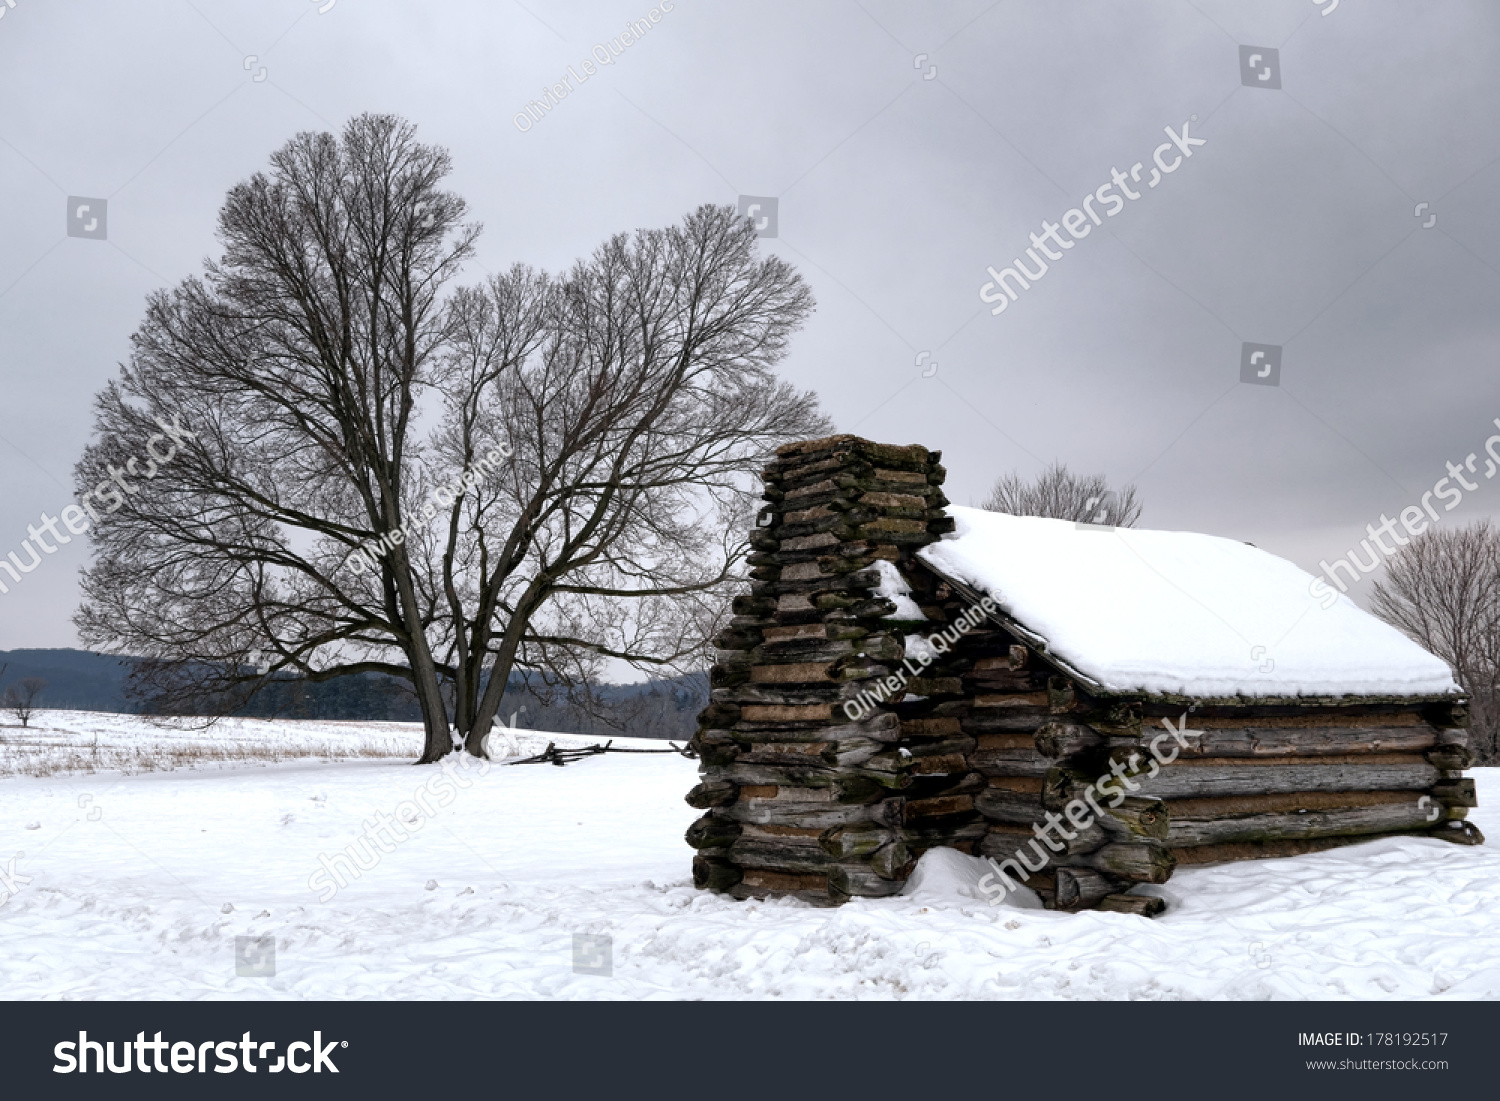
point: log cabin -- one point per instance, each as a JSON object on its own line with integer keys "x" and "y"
{"x": 1085, "y": 706}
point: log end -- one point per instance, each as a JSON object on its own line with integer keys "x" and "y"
{"x": 1148, "y": 906}
{"x": 1459, "y": 833}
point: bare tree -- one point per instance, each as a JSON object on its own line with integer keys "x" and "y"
{"x": 1443, "y": 590}
{"x": 1061, "y": 495}
{"x": 21, "y": 699}
{"x": 591, "y": 439}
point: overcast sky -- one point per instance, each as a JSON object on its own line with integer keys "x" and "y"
{"x": 908, "y": 147}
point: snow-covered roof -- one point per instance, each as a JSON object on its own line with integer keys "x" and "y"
{"x": 1175, "y": 612}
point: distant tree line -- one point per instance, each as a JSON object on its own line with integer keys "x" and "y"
{"x": 80, "y": 680}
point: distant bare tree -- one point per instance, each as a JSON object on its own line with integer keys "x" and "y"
{"x": 20, "y": 699}
{"x": 633, "y": 397}
{"x": 1061, "y": 495}
{"x": 1443, "y": 590}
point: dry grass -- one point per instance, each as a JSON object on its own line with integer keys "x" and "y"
{"x": 34, "y": 753}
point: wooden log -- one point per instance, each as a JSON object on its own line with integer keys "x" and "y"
{"x": 757, "y": 775}
{"x": 1009, "y": 806}
{"x": 715, "y": 875}
{"x": 812, "y": 672}
{"x": 1345, "y": 822}
{"x": 944, "y": 833}
{"x": 765, "y": 880}
{"x": 785, "y": 812}
{"x": 851, "y": 751}
{"x": 1134, "y": 817}
{"x": 748, "y": 605}
{"x": 1112, "y": 719}
{"x": 1459, "y": 833}
{"x": 1005, "y": 841}
{"x": 882, "y": 727}
{"x": 711, "y": 831}
{"x": 935, "y": 686}
{"x": 1028, "y": 784}
{"x": 1237, "y": 805}
{"x": 1058, "y": 738}
{"x": 1147, "y": 906}
{"x": 1217, "y": 776}
{"x": 718, "y": 716}
{"x": 1266, "y": 850}
{"x": 1450, "y": 714}
{"x": 791, "y": 754}
{"x": 717, "y": 794}
{"x": 826, "y": 695}
{"x": 860, "y": 881}
{"x": 778, "y": 713}
{"x": 1021, "y": 681}
{"x": 1450, "y": 757}
{"x": 1139, "y": 861}
{"x": 941, "y": 764}
{"x": 1023, "y": 721}
{"x": 797, "y": 855}
{"x": 714, "y": 754}
{"x": 844, "y": 842}
{"x": 1037, "y": 703}
{"x": 938, "y": 726}
{"x": 738, "y": 638}
{"x": 726, "y": 676}
{"x": 1080, "y": 888}
{"x": 1009, "y": 762}
{"x": 916, "y": 810}
{"x": 807, "y": 648}
{"x": 1456, "y": 793}
{"x": 1301, "y": 741}
{"x": 892, "y": 861}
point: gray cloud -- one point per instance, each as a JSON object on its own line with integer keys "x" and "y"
{"x": 1293, "y": 226}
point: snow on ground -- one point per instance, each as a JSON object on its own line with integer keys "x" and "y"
{"x": 1179, "y": 612}
{"x": 139, "y": 885}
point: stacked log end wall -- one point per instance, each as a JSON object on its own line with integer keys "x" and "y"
{"x": 800, "y": 799}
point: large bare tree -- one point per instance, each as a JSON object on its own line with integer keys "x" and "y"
{"x": 1060, "y": 494}
{"x": 1443, "y": 590}
{"x": 388, "y": 474}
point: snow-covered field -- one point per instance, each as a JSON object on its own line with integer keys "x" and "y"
{"x": 137, "y": 886}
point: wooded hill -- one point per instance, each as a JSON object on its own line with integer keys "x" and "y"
{"x": 81, "y": 680}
